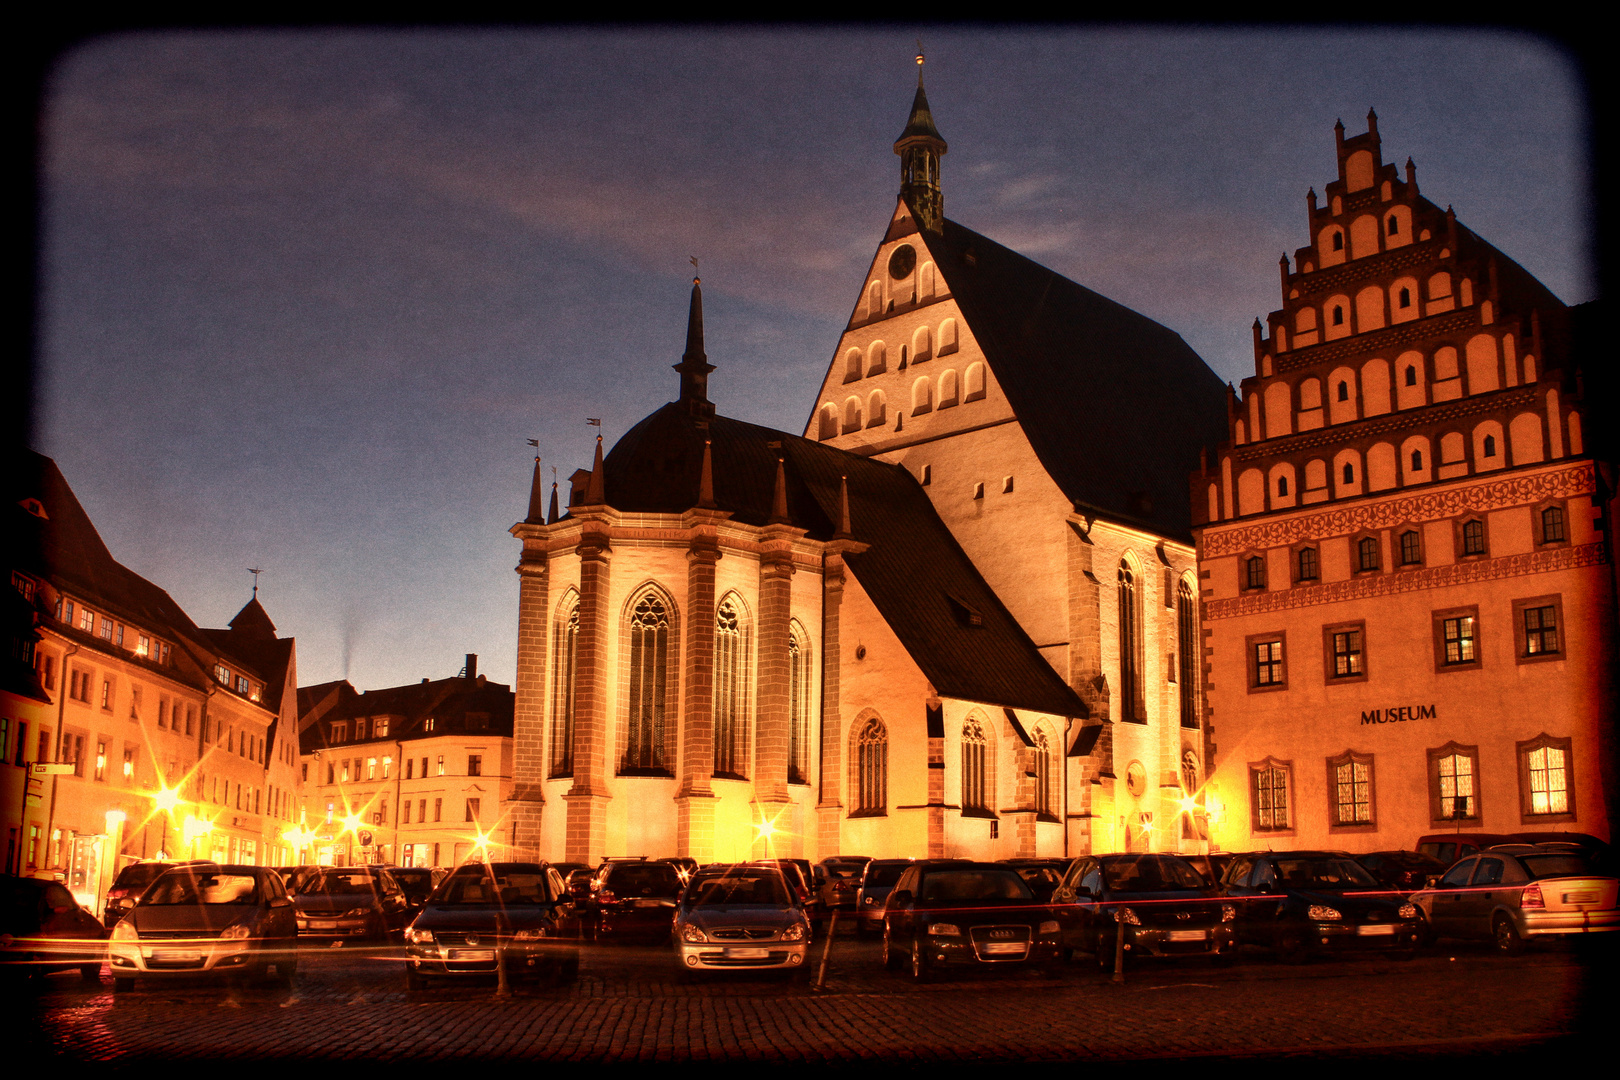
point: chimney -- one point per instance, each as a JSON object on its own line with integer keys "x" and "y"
{"x": 471, "y": 671}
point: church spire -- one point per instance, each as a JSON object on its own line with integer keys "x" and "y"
{"x": 694, "y": 366}
{"x": 920, "y": 147}
{"x": 537, "y": 495}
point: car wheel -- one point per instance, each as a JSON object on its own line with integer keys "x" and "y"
{"x": 920, "y": 968}
{"x": 1425, "y": 932}
{"x": 90, "y": 973}
{"x": 1506, "y": 936}
{"x": 891, "y": 959}
{"x": 123, "y": 986}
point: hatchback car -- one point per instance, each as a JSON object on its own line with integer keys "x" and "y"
{"x": 1303, "y": 902}
{"x": 488, "y": 913}
{"x": 1167, "y": 908}
{"x": 351, "y": 902}
{"x": 635, "y": 900}
{"x": 742, "y": 916}
{"x": 199, "y": 920}
{"x": 1518, "y": 892}
{"x": 877, "y": 880}
{"x": 955, "y": 912}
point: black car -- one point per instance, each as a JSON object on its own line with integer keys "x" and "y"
{"x": 484, "y": 913}
{"x": 635, "y": 900}
{"x": 1304, "y": 902}
{"x": 1405, "y": 871}
{"x": 351, "y": 902}
{"x": 956, "y": 912}
{"x": 1167, "y": 908}
{"x": 43, "y": 929}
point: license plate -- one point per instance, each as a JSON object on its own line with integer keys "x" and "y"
{"x": 323, "y": 924}
{"x": 747, "y": 954}
{"x": 1376, "y": 930}
{"x": 474, "y": 955}
{"x": 1004, "y": 948}
{"x": 176, "y": 956}
{"x": 649, "y": 903}
{"x": 1187, "y": 935}
{"x": 1580, "y": 898}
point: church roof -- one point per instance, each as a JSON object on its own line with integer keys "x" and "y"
{"x": 924, "y": 585}
{"x": 921, "y": 121}
{"x": 1116, "y": 406}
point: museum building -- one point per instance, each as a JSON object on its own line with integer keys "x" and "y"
{"x": 1408, "y": 592}
{"x": 957, "y": 616}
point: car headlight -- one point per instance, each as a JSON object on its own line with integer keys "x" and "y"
{"x": 237, "y": 932}
{"x": 125, "y": 932}
{"x": 357, "y": 913}
{"x": 1408, "y": 911}
{"x": 944, "y": 929}
{"x": 692, "y": 933}
{"x": 1050, "y": 926}
{"x": 794, "y": 932}
{"x": 1126, "y": 915}
{"x": 1228, "y": 912}
{"x": 869, "y": 900}
{"x": 419, "y": 937}
{"x": 1323, "y": 913}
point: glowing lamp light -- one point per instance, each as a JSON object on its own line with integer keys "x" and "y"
{"x": 115, "y": 818}
{"x": 166, "y": 799}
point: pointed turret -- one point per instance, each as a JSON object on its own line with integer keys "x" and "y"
{"x": 920, "y": 147}
{"x": 706, "y": 477}
{"x": 552, "y": 515}
{"x": 845, "y": 532}
{"x": 694, "y": 366}
{"x": 537, "y": 492}
{"x": 595, "y": 490}
{"x": 779, "y": 508}
{"x": 253, "y": 621}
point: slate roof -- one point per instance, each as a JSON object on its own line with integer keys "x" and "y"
{"x": 920, "y": 579}
{"x": 1115, "y": 405}
{"x": 448, "y": 701}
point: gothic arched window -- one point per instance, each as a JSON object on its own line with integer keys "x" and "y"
{"x": 869, "y": 780}
{"x": 975, "y": 752}
{"x": 1187, "y": 662}
{"x": 798, "y": 711}
{"x": 564, "y": 649}
{"x": 649, "y": 672}
{"x": 1043, "y": 774}
{"x": 730, "y": 680}
{"x": 1130, "y": 646}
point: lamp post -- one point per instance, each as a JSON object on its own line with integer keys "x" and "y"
{"x": 108, "y": 868}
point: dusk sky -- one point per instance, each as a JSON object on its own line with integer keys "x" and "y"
{"x": 306, "y": 294}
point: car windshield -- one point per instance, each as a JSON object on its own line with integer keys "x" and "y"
{"x": 649, "y": 879}
{"x": 958, "y": 886}
{"x": 1559, "y": 865}
{"x": 139, "y": 875}
{"x": 339, "y": 883}
{"x": 884, "y": 875}
{"x": 762, "y": 888}
{"x": 507, "y": 888}
{"x": 183, "y": 887}
{"x": 1325, "y": 873}
{"x": 843, "y": 870}
{"x": 1151, "y": 873}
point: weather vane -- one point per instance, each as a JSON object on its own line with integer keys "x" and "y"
{"x": 593, "y": 421}
{"x": 536, "y": 444}
{"x": 255, "y": 571}
{"x": 693, "y": 261}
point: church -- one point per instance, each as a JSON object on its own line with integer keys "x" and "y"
{"x": 956, "y": 616}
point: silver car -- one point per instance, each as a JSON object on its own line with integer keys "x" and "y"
{"x": 741, "y": 917}
{"x": 1515, "y": 892}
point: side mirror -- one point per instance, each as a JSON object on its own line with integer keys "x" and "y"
{"x": 901, "y": 898}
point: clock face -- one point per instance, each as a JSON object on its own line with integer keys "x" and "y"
{"x": 903, "y": 261}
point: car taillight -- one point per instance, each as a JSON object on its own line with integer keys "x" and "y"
{"x": 1531, "y": 898}
{"x": 606, "y": 896}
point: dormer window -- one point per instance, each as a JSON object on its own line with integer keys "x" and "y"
{"x": 241, "y": 684}
{"x": 427, "y": 725}
{"x": 340, "y": 732}
{"x": 222, "y": 675}
{"x": 379, "y": 729}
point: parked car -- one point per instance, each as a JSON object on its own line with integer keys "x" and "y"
{"x": 44, "y": 929}
{"x": 955, "y": 912}
{"x": 131, "y": 881}
{"x": 1402, "y": 871}
{"x": 635, "y": 900}
{"x": 1167, "y": 908}
{"x": 349, "y": 902}
{"x": 207, "y": 919}
{"x": 417, "y": 882}
{"x": 1041, "y": 875}
{"x": 1447, "y": 848}
{"x": 742, "y": 916}
{"x": 876, "y": 883}
{"x": 485, "y": 913}
{"x": 837, "y": 881}
{"x": 1304, "y": 902}
{"x": 1517, "y": 892}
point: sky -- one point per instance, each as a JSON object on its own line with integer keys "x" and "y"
{"x": 306, "y": 294}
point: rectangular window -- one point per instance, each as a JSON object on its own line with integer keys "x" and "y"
{"x": 191, "y": 718}
{"x": 1367, "y": 554}
{"x": 1456, "y": 638}
{"x": 360, "y": 728}
{"x": 143, "y": 647}
{"x": 438, "y": 809}
{"x": 421, "y": 810}
{"x": 1473, "y": 537}
{"x": 387, "y": 766}
{"x": 1536, "y": 624}
{"x": 106, "y": 628}
{"x": 87, "y": 620}
{"x": 1552, "y": 525}
{"x": 371, "y": 768}
{"x": 379, "y": 728}
{"x": 1268, "y": 663}
{"x": 441, "y": 765}
{"x": 475, "y": 765}
{"x": 1254, "y": 572}
{"x": 1346, "y": 646}
{"x": 1307, "y": 564}
{"x": 1269, "y": 783}
{"x": 129, "y": 765}
{"x": 410, "y": 768}
{"x": 405, "y": 812}
{"x": 118, "y": 634}
{"x": 472, "y": 810}
{"x": 1540, "y": 630}
{"x": 1411, "y": 548}
{"x": 331, "y": 769}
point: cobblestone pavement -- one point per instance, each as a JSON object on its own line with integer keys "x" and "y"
{"x": 633, "y": 1005}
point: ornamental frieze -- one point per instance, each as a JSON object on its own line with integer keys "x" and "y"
{"x": 1389, "y": 337}
{"x": 1385, "y": 513}
{"x": 1434, "y": 577}
{"x": 1401, "y": 421}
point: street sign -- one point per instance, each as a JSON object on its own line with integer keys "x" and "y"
{"x": 50, "y": 768}
{"x": 33, "y": 800}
